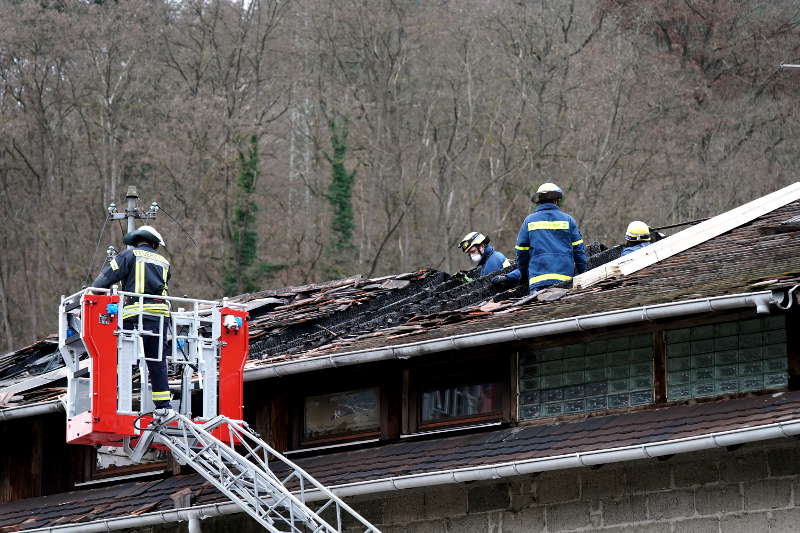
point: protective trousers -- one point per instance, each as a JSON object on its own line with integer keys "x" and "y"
{"x": 159, "y": 380}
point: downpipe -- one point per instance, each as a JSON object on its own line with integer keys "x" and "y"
{"x": 194, "y": 524}
{"x": 791, "y": 299}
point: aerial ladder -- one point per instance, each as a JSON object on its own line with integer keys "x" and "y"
{"x": 206, "y": 344}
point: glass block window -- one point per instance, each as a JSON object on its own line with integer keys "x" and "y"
{"x": 593, "y": 376}
{"x": 745, "y": 355}
{"x": 341, "y": 413}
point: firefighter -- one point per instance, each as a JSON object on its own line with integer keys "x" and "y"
{"x": 637, "y": 236}
{"x": 477, "y": 246}
{"x": 143, "y": 270}
{"x": 549, "y": 247}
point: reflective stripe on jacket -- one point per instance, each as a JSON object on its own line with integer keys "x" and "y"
{"x": 141, "y": 270}
{"x": 550, "y": 247}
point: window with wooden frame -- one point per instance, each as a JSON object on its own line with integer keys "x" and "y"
{"x": 463, "y": 393}
{"x": 339, "y": 406}
{"x": 348, "y": 414}
{"x": 113, "y": 464}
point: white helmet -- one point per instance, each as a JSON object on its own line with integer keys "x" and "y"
{"x": 472, "y": 239}
{"x": 548, "y": 192}
{"x": 148, "y": 233}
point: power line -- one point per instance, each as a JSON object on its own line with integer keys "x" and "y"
{"x": 96, "y": 247}
{"x": 179, "y": 225}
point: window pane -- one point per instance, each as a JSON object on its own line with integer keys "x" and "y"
{"x": 608, "y": 374}
{"x": 459, "y": 402}
{"x": 341, "y": 413}
{"x": 725, "y": 358}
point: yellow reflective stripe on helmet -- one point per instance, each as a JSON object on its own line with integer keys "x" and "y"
{"x": 547, "y": 224}
{"x": 543, "y": 277}
{"x": 158, "y": 396}
{"x": 506, "y": 263}
{"x": 522, "y": 247}
{"x": 576, "y": 243}
{"x": 114, "y": 265}
{"x": 164, "y": 291}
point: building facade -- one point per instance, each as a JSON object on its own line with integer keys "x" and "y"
{"x": 666, "y": 399}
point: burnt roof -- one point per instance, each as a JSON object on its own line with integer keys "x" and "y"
{"x": 411, "y": 457}
{"x": 358, "y": 313}
{"x": 731, "y": 263}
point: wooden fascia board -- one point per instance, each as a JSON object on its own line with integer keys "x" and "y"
{"x": 692, "y": 236}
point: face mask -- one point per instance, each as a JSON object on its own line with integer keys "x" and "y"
{"x": 476, "y": 257}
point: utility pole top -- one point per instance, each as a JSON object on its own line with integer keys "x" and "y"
{"x": 131, "y": 213}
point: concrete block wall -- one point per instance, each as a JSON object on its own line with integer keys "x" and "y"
{"x": 752, "y": 489}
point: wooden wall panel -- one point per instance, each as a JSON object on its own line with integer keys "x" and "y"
{"x": 35, "y": 459}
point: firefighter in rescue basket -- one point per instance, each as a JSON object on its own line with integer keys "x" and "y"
{"x": 143, "y": 270}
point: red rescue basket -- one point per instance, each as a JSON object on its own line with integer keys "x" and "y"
{"x": 108, "y": 390}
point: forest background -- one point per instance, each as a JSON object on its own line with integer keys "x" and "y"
{"x": 304, "y": 140}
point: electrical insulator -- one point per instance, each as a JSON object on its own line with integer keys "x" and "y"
{"x": 154, "y": 207}
{"x": 112, "y": 208}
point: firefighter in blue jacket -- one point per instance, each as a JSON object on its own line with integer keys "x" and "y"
{"x": 549, "y": 246}
{"x": 637, "y": 236}
{"x": 143, "y": 270}
{"x": 477, "y": 246}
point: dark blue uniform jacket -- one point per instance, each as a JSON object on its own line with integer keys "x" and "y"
{"x": 550, "y": 247}
{"x": 141, "y": 270}
{"x": 493, "y": 261}
{"x": 630, "y": 249}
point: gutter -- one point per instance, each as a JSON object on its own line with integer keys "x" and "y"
{"x": 760, "y": 300}
{"x": 34, "y": 409}
{"x": 721, "y": 439}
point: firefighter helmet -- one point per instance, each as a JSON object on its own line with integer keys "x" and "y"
{"x": 472, "y": 239}
{"x": 637, "y": 231}
{"x": 548, "y": 192}
{"x": 147, "y": 233}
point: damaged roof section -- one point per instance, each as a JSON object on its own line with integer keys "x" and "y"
{"x": 357, "y": 313}
{"x": 24, "y": 373}
{"x": 739, "y": 261}
{"x": 300, "y": 320}
{"x": 398, "y": 307}
{"x": 290, "y": 319}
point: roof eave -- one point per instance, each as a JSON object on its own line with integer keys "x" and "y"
{"x": 35, "y": 409}
{"x": 761, "y": 300}
{"x": 720, "y": 439}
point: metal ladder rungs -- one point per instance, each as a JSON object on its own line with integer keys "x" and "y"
{"x": 247, "y": 479}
